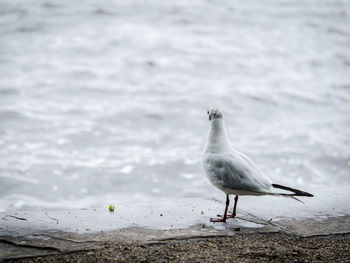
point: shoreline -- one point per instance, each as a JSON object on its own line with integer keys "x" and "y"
{"x": 93, "y": 234}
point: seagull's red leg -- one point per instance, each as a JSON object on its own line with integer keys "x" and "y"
{"x": 222, "y": 219}
{"x": 234, "y": 208}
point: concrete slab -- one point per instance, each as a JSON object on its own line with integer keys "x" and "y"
{"x": 29, "y": 233}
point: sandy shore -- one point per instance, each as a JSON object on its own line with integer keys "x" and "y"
{"x": 252, "y": 247}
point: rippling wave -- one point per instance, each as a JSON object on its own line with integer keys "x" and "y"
{"x": 101, "y": 98}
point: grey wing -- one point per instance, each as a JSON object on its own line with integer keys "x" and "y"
{"x": 238, "y": 172}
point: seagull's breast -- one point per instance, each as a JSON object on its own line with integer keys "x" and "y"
{"x": 213, "y": 173}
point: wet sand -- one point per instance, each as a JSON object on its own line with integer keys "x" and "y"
{"x": 242, "y": 247}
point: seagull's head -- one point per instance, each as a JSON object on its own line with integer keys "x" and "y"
{"x": 214, "y": 113}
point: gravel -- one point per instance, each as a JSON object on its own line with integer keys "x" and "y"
{"x": 263, "y": 247}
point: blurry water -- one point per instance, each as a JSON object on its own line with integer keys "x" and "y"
{"x": 107, "y": 99}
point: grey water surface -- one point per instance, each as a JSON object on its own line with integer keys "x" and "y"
{"x": 105, "y": 101}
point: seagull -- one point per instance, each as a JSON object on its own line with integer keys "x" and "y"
{"x": 233, "y": 172}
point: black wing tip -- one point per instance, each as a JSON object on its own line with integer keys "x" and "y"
{"x": 296, "y": 191}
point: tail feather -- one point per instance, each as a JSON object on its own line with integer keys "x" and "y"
{"x": 295, "y": 191}
{"x": 295, "y": 198}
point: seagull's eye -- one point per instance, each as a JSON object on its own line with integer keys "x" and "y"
{"x": 208, "y": 112}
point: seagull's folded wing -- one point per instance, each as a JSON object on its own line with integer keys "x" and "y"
{"x": 238, "y": 172}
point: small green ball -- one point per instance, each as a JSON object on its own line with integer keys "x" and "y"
{"x": 111, "y": 208}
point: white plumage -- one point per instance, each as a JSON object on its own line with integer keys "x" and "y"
{"x": 233, "y": 172}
